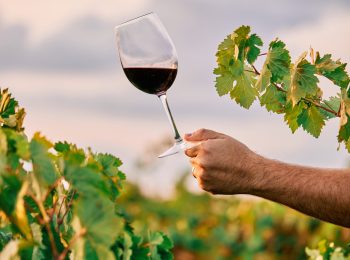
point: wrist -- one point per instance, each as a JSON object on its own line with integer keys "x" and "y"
{"x": 259, "y": 174}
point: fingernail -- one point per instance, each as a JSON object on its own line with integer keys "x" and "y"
{"x": 188, "y": 134}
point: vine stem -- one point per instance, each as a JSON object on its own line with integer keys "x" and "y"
{"x": 305, "y": 99}
{"x": 50, "y": 189}
{"x": 71, "y": 243}
{"x": 46, "y": 221}
{"x": 69, "y": 205}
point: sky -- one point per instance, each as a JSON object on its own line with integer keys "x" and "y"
{"x": 59, "y": 59}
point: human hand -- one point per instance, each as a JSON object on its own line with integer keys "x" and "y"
{"x": 222, "y": 165}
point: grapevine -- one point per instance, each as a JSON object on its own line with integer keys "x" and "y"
{"x": 58, "y": 201}
{"x": 283, "y": 87}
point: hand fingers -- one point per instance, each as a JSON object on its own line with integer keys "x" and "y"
{"x": 202, "y": 134}
{"x": 193, "y": 151}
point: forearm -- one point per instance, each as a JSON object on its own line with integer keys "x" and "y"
{"x": 321, "y": 193}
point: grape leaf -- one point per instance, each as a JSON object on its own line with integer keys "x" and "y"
{"x": 11, "y": 115}
{"x": 224, "y": 84}
{"x": 344, "y": 131}
{"x": 303, "y": 80}
{"x": 244, "y": 91}
{"x": 311, "y": 120}
{"x": 139, "y": 251}
{"x": 240, "y": 34}
{"x": 273, "y": 99}
{"x": 264, "y": 78}
{"x": 160, "y": 246}
{"x": 102, "y": 225}
{"x": 276, "y": 65}
{"x": 226, "y": 44}
{"x": 7, "y": 104}
{"x": 44, "y": 169}
{"x": 344, "y": 107}
{"x": 18, "y": 143}
{"x": 253, "y": 51}
{"x": 110, "y": 166}
{"x": 333, "y": 70}
{"x": 248, "y": 45}
{"x": 333, "y": 103}
{"x": 4, "y": 239}
{"x": 87, "y": 181}
{"x": 279, "y": 60}
{"x": 62, "y": 147}
{"x": 291, "y": 115}
{"x": 12, "y": 191}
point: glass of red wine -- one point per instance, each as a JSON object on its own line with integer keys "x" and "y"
{"x": 149, "y": 61}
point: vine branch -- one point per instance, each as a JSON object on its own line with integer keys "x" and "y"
{"x": 69, "y": 205}
{"x": 279, "y": 88}
{"x": 62, "y": 256}
{"x": 46, "y": 221}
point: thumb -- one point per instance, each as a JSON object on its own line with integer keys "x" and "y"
{"x": 202, "y": 135}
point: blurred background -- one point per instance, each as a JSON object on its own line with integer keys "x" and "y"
{"x": 59, "y": 59}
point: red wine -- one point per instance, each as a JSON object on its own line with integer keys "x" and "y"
{"x": 151, "y": 80}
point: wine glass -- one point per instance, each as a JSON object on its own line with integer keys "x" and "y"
{"x": 149, "y": 61}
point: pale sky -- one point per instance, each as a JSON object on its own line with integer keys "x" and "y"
{"x": 60, "y": 61}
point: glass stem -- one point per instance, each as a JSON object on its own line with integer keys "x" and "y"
{"x": 164, "y": 101}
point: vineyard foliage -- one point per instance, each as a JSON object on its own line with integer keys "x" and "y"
{"x": 283, "y": 87}
{"x": 209, "y": 227}
{"x": 58, "y": 201}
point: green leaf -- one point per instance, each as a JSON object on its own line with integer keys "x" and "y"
{"x": 4, "y": 239}
{"x": 291, "y": 115}
{"x": 102, "y": 226}
{"x": 276, "y": 66}
{"x": 160, "y": 246}
{"x": 253, "y": 51}
{"x": 344, "y": 131}
{"x": 7, "y": 104}
{"x": 98, "y": 217}
{"x": 110, "y": 169}
{"x": 273, "y": 99}
{"x": 87, "y": 182}
{"x": 278, "y": 60}
{"x": 11, "y": 115}
{"x": 240, "y": 34}
{"x": 97, "y": 252}
{"x": 139, "y": 249}
{"x": 332, "y": 103}
{"x": 62, "y": 147}
{"x": 303, "y": 80}
{"x": 43, "y": 167}
{"x": 263, "y": 80}
{"x": 244, "y": 92}
{"x": 248, "y": 45}
{"x": 19, "y": 143}
{"x": 109, "y": 163}
{"x": 224, "y": 84}
{"x": 311, "y": 120}
{"x": 227, "y": 43}
{"x": 333, "y": 70}
{"x": 12, "y": 191}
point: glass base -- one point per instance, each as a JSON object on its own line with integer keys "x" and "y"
{"x": 176, "y": 148}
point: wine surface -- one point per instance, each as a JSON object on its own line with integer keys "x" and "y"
{"x": 151, "y": 80}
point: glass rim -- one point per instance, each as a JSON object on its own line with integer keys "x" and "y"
{"x": 134, "y": 19}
